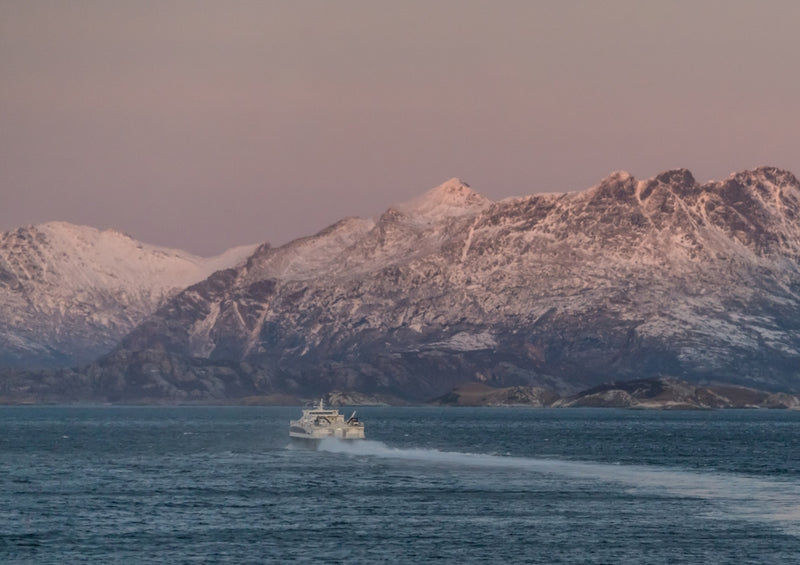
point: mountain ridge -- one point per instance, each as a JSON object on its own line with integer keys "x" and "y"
{"x": 627, "y": 279}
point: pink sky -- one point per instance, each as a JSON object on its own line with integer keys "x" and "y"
{"x": 205, "y": 124}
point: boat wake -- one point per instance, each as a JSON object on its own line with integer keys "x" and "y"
{"x": 764, "y": 500}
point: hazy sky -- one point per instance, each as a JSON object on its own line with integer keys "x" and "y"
{"x": 204, "y": 124}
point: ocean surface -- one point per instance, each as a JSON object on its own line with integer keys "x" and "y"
{"x": 447, "y": 485}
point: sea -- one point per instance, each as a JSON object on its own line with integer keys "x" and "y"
{"x": 201, "y": 484}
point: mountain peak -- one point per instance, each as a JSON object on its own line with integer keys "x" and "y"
{"x": 451, "y": 198}
{"x": 682, "y": 177}
{"x": 773, "y": 175}
{"x": 618, "y": 176}
{"x": 453, "y": 184}
{"x": 69, "y": 292}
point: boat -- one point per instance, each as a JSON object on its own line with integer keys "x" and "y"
{"x": 319, "y": 423}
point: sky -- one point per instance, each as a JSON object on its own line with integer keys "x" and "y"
{"x": 203, "y": 124}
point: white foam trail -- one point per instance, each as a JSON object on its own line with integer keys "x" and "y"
{"x": 766, "y": 500}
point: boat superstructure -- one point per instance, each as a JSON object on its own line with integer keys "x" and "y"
{"x": 320, "y": 423}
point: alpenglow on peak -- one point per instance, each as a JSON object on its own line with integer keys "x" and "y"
{"x": 451, "y": 198}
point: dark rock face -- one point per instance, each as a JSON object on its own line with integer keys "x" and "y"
{"x": 630, "y": 279}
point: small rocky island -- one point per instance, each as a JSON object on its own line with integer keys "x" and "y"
{"x": 664, "y": 393}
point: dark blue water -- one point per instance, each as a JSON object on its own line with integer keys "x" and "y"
{"x": 223, "y": 485}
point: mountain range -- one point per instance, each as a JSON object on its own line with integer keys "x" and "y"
{"x": 630, "y": 279}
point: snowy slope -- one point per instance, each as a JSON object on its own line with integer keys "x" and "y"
{"x": 68, "y": 292}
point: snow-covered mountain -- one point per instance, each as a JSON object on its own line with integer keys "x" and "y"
{"x": 628, "y": 279}
{"x": 68, "y": 293}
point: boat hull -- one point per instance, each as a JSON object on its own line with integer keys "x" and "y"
{"x": 324, "y": 433}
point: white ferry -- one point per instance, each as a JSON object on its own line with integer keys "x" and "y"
{"x": 320, "y": 422}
